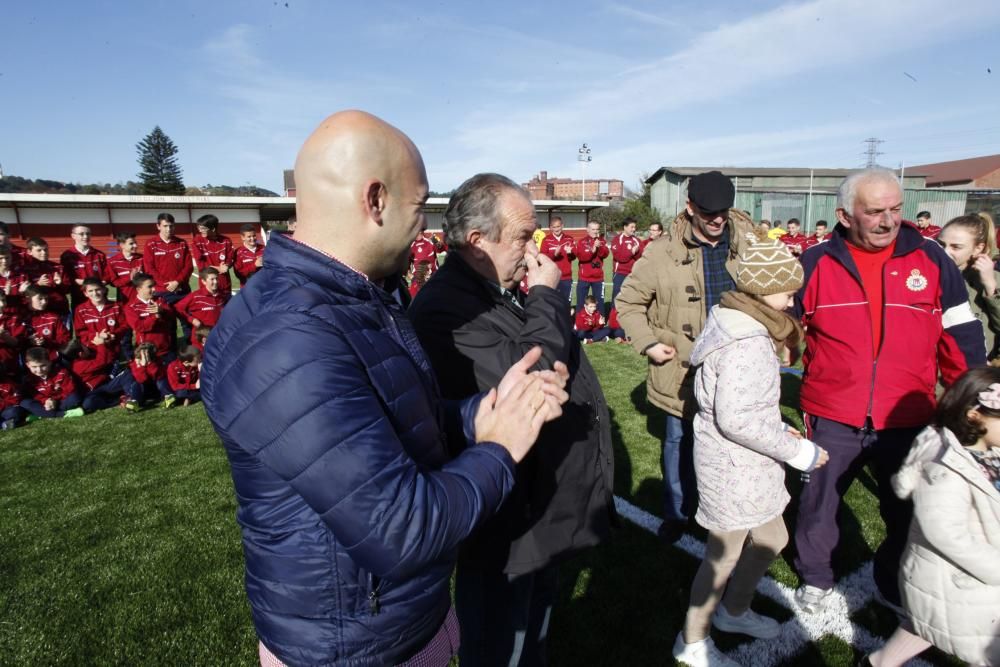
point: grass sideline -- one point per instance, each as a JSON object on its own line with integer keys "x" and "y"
{"x": 119, "y": 546}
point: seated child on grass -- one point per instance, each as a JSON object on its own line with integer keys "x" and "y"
{"x": 49, "y": 392}
{"x": 149, "y": 379}
{"x": 11, "y": 412}
{"x": 617, "y": 333}
{"x": 182, "y": 374}
{"x": 589, "y": 326}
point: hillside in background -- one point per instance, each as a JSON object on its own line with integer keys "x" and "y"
{"x": 18, "y": 184}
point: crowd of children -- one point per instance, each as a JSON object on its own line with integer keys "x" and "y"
{"x": 66, "y": 349}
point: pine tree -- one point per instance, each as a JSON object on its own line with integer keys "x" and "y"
{"x": 160, "y": 173}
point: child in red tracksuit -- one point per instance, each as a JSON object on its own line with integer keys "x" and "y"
{"x": 204, "y": 305}
{"x": 149, "y": 379}
{"x": 199, "y": 336}
{"x": 249, "y": 256}
{"x": 589, "y": 326}
{"x": 124, "y": 266}
{"x": 98, "y": 317}
{"x": 182, "y": 374}
{"x": 212, "y": 249}
{"x": 151, "y": 318}
{"x": 44, "y": 273}
{"x": 49, "y": 393}
{"x": 11, "y": 412}
{"x": 43, "y": 326}
{"x": 90, "y": 365}
{"x": 617, "y": 333}
{"x": 13, "y": 337}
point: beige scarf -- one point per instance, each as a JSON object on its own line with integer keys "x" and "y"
{"x": 782, "y": 326}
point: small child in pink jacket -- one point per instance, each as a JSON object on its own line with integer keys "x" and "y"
{"x": 740, "y": 449}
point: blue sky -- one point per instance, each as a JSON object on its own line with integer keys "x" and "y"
{"x": 511, "y": 87}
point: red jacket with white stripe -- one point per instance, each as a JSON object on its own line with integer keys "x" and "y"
{"x": 202, "y": 306}
{"x": 562, "y": 251}
{"x": 215, "y": 252}
{"x": 88, "y": 321}
{"x": 626, "y": 250}
{"x": 120, "y": 272}
{"x": 927, "y": 326}
{"x": 58, "y": 386}
{"x": 182, "y": 377}
{"x": 167, "y": 261}
{"x": 591, "y": 258}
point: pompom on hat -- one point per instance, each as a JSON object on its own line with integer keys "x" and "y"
{"x": 767, "y": 267}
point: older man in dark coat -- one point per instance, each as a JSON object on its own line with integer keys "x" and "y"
{"x": 473, "y": 321}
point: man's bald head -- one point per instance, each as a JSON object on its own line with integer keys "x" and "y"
{"x": 360, "y": 188}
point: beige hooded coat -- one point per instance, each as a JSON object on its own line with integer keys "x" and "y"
{"x": 950, "y": 572}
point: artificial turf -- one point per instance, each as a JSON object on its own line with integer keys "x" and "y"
{"x": 119, "y": 545}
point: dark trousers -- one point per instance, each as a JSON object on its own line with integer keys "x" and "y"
{"x": 597, "y": 335}
{"x": 595, "y": 288}
{"x": 14, "y": 413}
{"x": 565, "y": 288}
{"x": 37, "y": 408}
{"x": 680, "y": 487}
{"x": 172, "y": 298}
{"x": 149, "y": 391}
{"x": 616, "y": 286}
{"x": 109, "y": 394}
{"x": 817, "y": 532}
{"x": 618, "y": 333}
{"x": 192, "y": 395}
{"x": 504, "y": 618}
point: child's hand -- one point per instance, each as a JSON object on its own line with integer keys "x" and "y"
{"x": 822, "y": 459}
{"x": 153, "y": 308}
{"x": 50, "y": 404}
{"x": 260, "y": 262}
{"x": 38, "y": 339}
{"x": 57, "y": 279}
{"x": 793, "y": 431}
{"x": 195, "y": 322}
{"x": 600, "y": 320}
{"x": 43, "y": 280}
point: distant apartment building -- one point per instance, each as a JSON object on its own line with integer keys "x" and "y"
{"x": 597, "y": 189}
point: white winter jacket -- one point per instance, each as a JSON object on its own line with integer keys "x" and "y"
{"x": 740, "y": 442}
{"x": 950, "y": 572}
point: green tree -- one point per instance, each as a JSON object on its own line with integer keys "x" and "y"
{"x": 160, "y": 172}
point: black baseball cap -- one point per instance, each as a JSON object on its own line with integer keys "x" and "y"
{"x": 711, "y": 191}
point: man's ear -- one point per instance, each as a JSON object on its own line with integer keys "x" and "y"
{"x": 690, "y": 209}
{"x": 842, "y": 217}
{"x": 375, "y": 198}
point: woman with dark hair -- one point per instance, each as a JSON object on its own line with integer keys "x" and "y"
{"x": 949, "y": 577}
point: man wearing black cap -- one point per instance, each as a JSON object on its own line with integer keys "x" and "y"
{"x": 662, "y": 307}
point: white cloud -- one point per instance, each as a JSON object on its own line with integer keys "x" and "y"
{"x": 718, "y": 66}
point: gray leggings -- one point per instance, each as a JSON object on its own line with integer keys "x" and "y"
{"x": 731, "y": 553}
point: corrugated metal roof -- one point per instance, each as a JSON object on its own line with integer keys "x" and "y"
{"x": 959, "y": 171}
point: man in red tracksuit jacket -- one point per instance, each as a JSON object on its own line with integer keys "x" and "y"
{"x": 561, "y": 249}
{"x": 626, "y": 248}
{"x": 885, "y": 312}
{"x": 203, "y": 306}
{"x": 796, "y": 241}
{"x": 82, "y": 261}
{"x": 151, "y": 318}
{"x": 591, "y": 252}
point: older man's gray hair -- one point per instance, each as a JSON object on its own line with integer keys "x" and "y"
{"x": 475, "y": 205}
{"x": 848, "y": 190}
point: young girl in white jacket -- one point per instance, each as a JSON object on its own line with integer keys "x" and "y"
{"x": 950, "y": 571}
{"x": 740, "y": 449}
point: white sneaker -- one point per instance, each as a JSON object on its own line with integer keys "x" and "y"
{"x": 748, "y": 623}
{"x": 701, "y": 654}
{"x": 812, "y": 599}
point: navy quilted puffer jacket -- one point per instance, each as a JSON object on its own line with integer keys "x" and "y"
{"x": 349, "y": 509}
